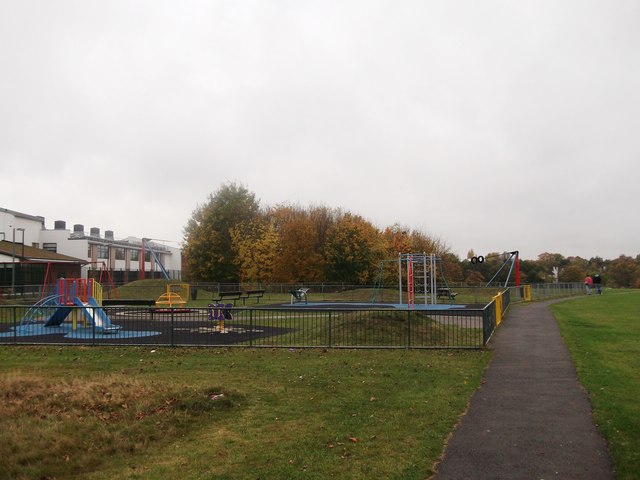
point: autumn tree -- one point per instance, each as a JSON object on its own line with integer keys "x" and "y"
{"x": 475, "y": 278}
{"x": 623, "y": 272}
{"x": 550, "y": 260}
{"x": 353, "y": 250}
{"x": 300, "y": 257}
{"x": 209, "y": 251}
{"x": 397, "y": 240}
{"x": 574, "y": 272}
{"x": 257, "y": 246}
{"x": 451, "y": 268}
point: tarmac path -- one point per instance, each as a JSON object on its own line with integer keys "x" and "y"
{"x": 530, "y": 419}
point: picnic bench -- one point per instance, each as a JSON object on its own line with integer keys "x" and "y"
{"x": 298, "y": 295}
{"x": 257, "y": 294}
{"x": 445, "y": 292}
{"x": 235, "y": 295}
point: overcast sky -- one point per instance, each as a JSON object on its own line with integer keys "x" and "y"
{"x": 493, "y": 125}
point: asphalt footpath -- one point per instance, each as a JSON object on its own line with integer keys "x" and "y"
{"x": 530, "y": 419}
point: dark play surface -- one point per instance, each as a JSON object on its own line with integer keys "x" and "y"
{"x": 158, "y": 329}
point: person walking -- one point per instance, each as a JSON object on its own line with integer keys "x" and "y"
{"x": 597, "y": 283}
{"x": 588, "y": 284}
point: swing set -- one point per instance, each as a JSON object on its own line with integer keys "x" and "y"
{"x": 512, "y": 259}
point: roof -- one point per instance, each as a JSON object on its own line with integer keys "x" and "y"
{"x": 35, "y": 218}
{"x": 32, "y": 254}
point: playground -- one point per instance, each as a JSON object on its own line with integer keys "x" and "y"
{"x": 74, "y": 313}
{"x": 419, "y": 311}
{"x": 330, "y": 411}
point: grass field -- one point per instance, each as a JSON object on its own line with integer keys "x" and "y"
{"x": 603, "y": 334}
{"x": 98, "y": 413}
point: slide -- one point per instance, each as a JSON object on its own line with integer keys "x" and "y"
{"x": 58, "y": 317}
{"x": 101, "y": 320}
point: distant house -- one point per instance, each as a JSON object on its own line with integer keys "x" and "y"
{"x": 125, "y": 259}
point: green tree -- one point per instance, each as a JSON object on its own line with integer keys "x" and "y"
{"x": 533, "y": 272}
{"x": 209, "y": 252}
{"x": 624, "y": 272}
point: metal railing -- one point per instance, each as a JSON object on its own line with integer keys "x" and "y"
{"x": 292, "y": 326}
{"x": 249, "y": 327}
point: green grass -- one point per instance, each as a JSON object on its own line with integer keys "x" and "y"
{"x": 603, "y": 335}
{"x": 141, "y": 413}
{"x": 350, "y": 328}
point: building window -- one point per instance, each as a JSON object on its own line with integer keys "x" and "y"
{"x": 35, "y": 245}
{"x": 102, "y": 251}
{"x": 119, "y": 253}
{"x": 50, "y": 247}
{"x": 135, "y": 255}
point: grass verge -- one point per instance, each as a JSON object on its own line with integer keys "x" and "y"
{"x": 138, "y": 413}
{"x": 603, "y": 335}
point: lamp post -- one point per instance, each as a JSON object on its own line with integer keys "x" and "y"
{"x": 13, "y": 259}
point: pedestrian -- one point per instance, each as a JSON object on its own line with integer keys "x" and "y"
{"x": 597, "y": 283}
{"x": 588, "y": 284}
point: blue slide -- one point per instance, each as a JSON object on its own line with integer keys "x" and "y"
{"x": 97, "y": 316}
{"x": 58, "y": 317}
{"x": 102, "y": 322}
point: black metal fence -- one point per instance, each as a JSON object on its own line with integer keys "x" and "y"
{"x": 252, "y": 327}
{"x": 292, "y": 326}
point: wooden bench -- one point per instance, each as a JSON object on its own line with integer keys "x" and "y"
{"x": 227, "y": 295}
{"x": 446, "y": 293}
{"x": 298, "y": 295}
{"x": 257, "y": 294}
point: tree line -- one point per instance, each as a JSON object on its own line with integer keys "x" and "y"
{"x": 233, "y": 239}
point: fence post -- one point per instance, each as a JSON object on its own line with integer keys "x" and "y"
{"x": 498, "y": 301}
{"x": 409, "y": 329}
{"x": 251, "y": 327}
{"x": 172, "y": 328}
{"x": 329, "y": 342}
{"x": 15, "y": 327}
{"x": 93, "y": 324}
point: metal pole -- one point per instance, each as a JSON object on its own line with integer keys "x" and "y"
{"x": 400, "y": 277}
{"x": 13, "y": 263}
{"x": 434, "y": 282}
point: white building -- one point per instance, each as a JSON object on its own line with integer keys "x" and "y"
{"x": 123, "y": 258}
